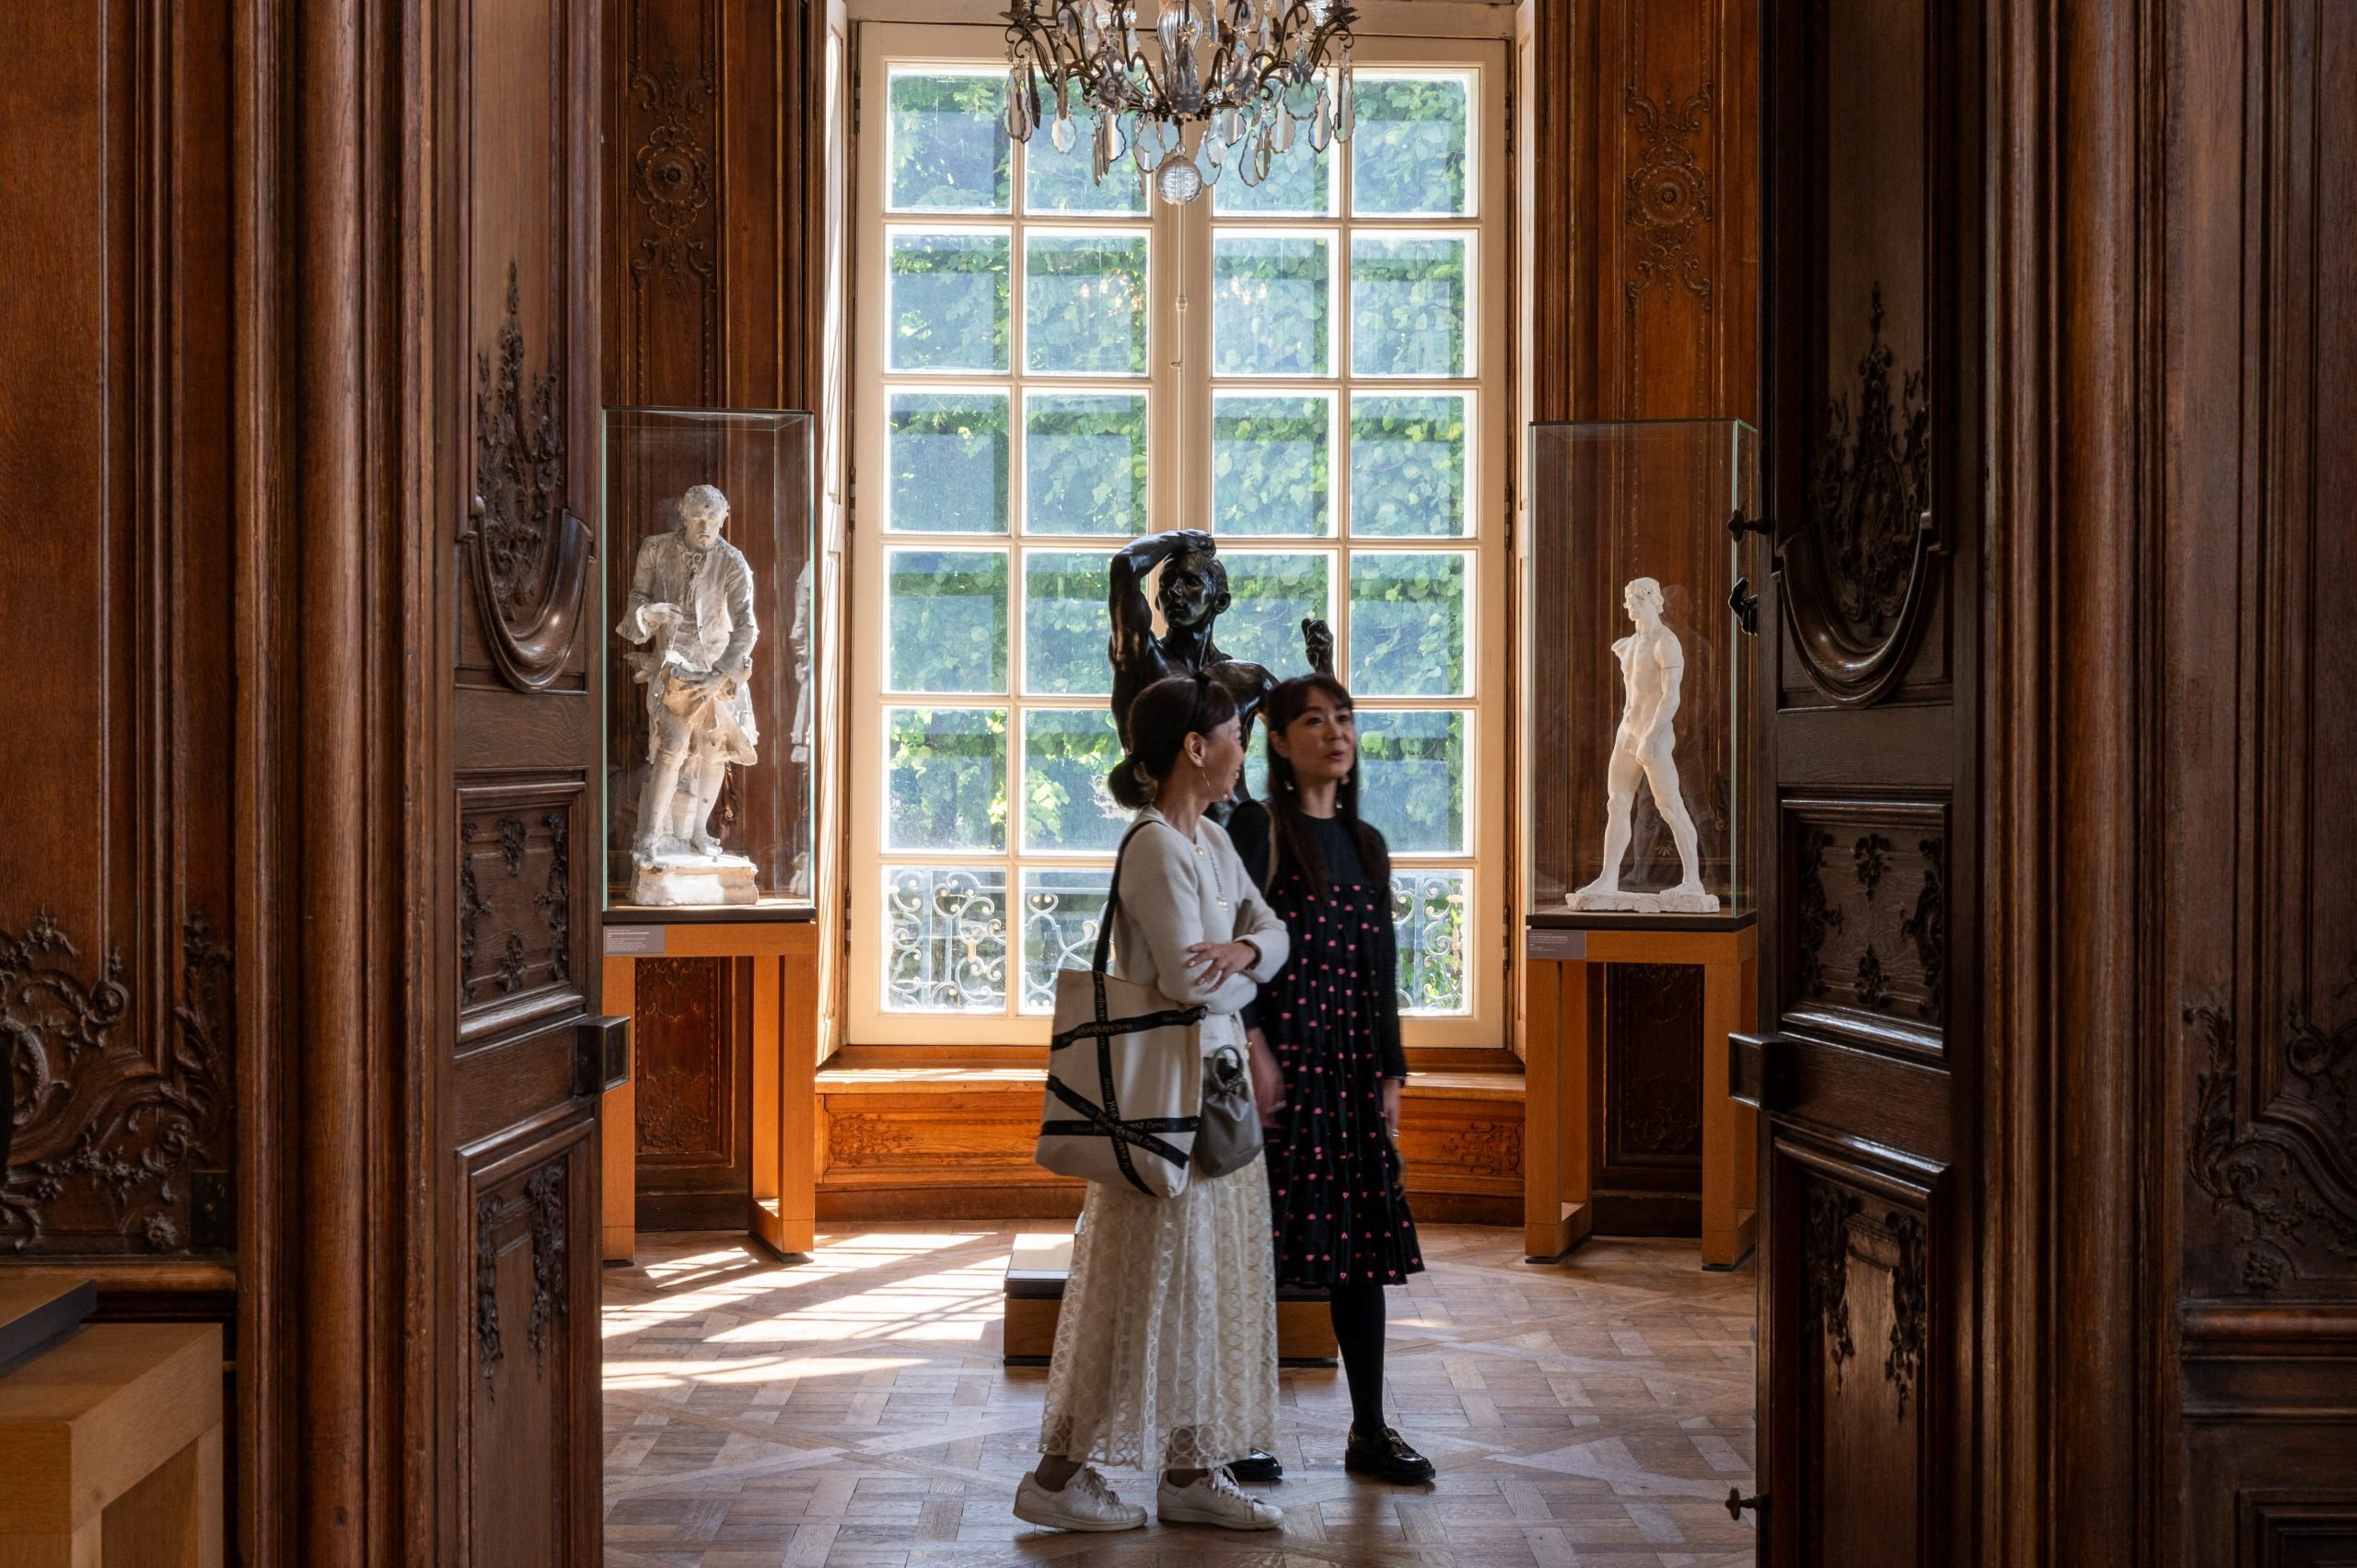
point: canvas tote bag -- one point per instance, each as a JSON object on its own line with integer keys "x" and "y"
{"x": 1125, "y": 1074}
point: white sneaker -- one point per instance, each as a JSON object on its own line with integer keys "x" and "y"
{"x": 1214, "y": 1499}
{"x": 1085, "y": 1503}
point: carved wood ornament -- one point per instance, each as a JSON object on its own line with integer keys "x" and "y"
{"x": 672, "y": 176}
{"x": 544, "y": 1214}
{"x": 101, "y": 1129}
{"x": 1826, "y": 1247}
{"x": 529, "y": 556}
{"x": 1669, "y": 194}
{"x": 1857, "y": 574}
{"x": 1909, "y": 1300}
{"x": 2285, "y": 1170}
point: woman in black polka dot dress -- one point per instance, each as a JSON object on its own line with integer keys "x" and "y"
{"x": 1328, "y": 1063}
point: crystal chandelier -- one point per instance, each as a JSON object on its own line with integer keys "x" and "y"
{"x": 1228, "y": 83}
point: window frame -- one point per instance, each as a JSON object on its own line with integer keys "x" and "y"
{"x": 1180, "y": 388}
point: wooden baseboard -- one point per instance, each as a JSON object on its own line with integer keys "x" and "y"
{"x": 994, "y": 1202}
{"x": 929, "y": 1140}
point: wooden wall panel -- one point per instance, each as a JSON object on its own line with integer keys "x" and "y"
{"x": 694, "y": 1039}
{"x": 117, "y": 551}
{"x": 2252, "y": 840}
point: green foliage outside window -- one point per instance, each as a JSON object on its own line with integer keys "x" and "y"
{"x": 1084, "y": 463}
{"x": 1066, "y": 754}
{"x": 1269, "y": 304}
{"x": 1084, "y": 303}
{"x": 949, "y": 151}
{"x": 1408, "y": 625}
{"x": 1272, "y": 593}
{"x": 948, "y": 619}
{"x": 947, "y": 452}
{"x": 1268, "y": 464}
{"x": 949, "y": 301}
{"x": 1412, "y": 779}
{"x": 1065, "y": 624}
{"x": 1407, "y": 305}
{"x": 1408, "y": 150}
{"x": 945, "y": 769}
{"x": 1407, "y": 465}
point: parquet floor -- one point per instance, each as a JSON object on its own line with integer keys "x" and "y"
{"x": 852, "y": 1410}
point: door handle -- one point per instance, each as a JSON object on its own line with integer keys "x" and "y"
{"x": 602, "y": 1055}
{"x": 1760, "y": 1072}
{"x": 1737, "y": 1503}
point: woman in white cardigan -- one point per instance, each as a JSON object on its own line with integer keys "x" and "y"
{"x": 1167, "y": 1346}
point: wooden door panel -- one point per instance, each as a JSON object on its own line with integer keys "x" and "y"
{"x": 532, "y": 1410}
{"x": 1870, "y": 1059}
{"x": 524, "y": 680}
{"x": 1858, "y": 1227}
{"x": 1865, "y": 883}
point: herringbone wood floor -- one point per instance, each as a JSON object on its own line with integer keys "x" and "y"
{"x": 853, "y": 1410}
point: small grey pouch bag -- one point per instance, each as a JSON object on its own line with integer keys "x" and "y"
{"x": 1227, "y": 1136}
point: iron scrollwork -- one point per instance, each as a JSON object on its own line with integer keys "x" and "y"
{"x": 1857, "y": 574}
{"x": 518, "y": 536}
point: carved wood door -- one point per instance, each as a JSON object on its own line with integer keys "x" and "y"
{"x": 1868, "y": 1057}
{"x": 519, "y": 595}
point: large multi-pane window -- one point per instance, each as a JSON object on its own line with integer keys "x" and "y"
{"x": 1051, "y": 366}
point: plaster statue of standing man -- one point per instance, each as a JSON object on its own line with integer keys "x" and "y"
{"x": 1651, "y": 665}
{"x": 692, "y": 606}
{"x": 1192, "y": 593}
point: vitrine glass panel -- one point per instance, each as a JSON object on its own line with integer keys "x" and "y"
{"x": 1639, "y": 666}
{"x": 706, "y": 543}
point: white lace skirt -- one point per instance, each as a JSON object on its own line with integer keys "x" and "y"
{"x": 1167, "y": 1344}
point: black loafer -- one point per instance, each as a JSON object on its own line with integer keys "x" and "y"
{"x": 1387, "y": 1458}
{"x": 1257, "y": 1469}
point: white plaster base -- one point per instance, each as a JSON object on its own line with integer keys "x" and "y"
{"x": 1663, "y": 902}
{"x": 696, "y": 880}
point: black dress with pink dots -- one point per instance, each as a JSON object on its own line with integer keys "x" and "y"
{"x": 1332, "y": 1018}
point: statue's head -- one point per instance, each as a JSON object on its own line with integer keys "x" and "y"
{"x": 1193, "y": 588}
{"x": 1641, "y": 598}
{"x": 703, "y": 510}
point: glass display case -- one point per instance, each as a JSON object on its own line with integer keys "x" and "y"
{"x": 1639, "y": 665}
{"x": 707, "y": 544}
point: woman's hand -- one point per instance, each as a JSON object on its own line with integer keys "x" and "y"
{"x": 1218, "y": 960}
{"x": 1268, "y": 1078}
{"x": 1391, "y": 1087}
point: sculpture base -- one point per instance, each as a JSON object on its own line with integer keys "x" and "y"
{"x": 1662, "y": 902}
{"x": 695, "y": 879}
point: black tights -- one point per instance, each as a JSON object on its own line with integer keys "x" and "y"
{"x": 1357, "y": 1311}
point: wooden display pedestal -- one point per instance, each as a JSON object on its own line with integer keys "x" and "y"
{"x": 1563, "y": 1023}
{"x": 1035, "y": 1296}
{"x": 784, "y": 953}
{"x": 110, "y": 1446}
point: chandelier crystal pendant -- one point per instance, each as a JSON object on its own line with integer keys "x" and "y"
{"x": 1212, "y": 86}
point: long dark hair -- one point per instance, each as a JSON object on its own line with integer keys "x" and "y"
{"x": 1284, "y": 705}
{"x": 1161, "y": 718}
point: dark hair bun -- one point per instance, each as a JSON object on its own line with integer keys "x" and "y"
{"x": 1161, "y": 718}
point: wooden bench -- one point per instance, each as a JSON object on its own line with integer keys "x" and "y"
{"x": 1035, "y": 1295}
